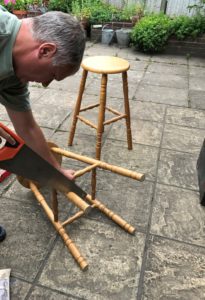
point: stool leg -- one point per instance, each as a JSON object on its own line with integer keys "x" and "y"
{"x": 127, "y": 110}
{"x": 101, "y": 115}
{"x": 77, "y": 107}
{"x": 100, "y": 128}
{"x": 93, "y": 184}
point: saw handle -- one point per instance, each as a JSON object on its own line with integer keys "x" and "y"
{"x": 9, "y": 151}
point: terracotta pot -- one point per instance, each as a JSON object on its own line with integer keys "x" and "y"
{"x": 20, "y": 13}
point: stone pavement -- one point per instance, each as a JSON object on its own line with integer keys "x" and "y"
{"x": 165, "y": 259}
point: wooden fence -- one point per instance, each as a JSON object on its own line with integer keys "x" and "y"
{"x": 170, "y": 7}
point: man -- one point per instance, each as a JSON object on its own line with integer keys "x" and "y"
{"x": 39, "y": 49}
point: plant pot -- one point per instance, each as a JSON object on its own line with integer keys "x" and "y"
{"x": 123, "y": 37}
{"x": 20, "y": 13}
{"x": 107, "y": 35}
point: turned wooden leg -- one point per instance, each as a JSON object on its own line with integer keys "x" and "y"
{"x": 55, "y": 205}
{"x": 77, "y": 107}
{"x": 58, "y": 226}
{"x": 127, "y": 110}
{"x": 101, "y": 115}
{"x": 100, "y": 129}
{"x": 110, "y": 214}
{"x": 93, "y": 184}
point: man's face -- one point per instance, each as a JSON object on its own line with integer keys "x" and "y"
{"x": 37, "y": 66}
{"x": 45, "y": 74}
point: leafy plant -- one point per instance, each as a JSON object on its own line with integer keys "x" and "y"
{"x": 131, "y": 10}
{"x": 102, "y": 13}
{"x": 19, "y": 4}
{"x": 95, "y": 10}
{"x": 151, "y": 33}
{"x": 184, "y": 26}
{"x": 60, "y": 5}
{"x": 81, "y": 8}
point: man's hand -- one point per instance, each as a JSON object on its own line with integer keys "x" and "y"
{"x": 6, "y": 136}
{"x": 68, "y": 173}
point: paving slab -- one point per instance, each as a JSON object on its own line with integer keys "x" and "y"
{"x": 196, "y": 83}
{"x": 168, "y": 68}
{"x": 102, "y": 50}
{"x": 114, "y": 259}
{"x": 114, "y": 90}
{"x": 182, "y": 138}
{"x": 197, "y": 99}
{"x": 133, "y": 55}
{"x": 19, "y": 288}
{"x": 57, "y": 108}
{"x": 178, "y": 169}
{"x": 174, "y": 271}
{"x": 173, "y": 59}
{"x": 82, "y": 144}
{"x": 147, "y": 111}
{"x": 138, "y": 65}
{"x": 92, "y": 115}
{"x": 29, "y": 237}
{"x": 185, "y": 117}
{"x": 127, "y": 197}
{"x": 197, "y": 71}
{"x": 142, "y": 158}
{"x": 177, "y": 214}
{"x": 36, "y": 92}
{"x": 162, "y": 94}
{"x": 42, "y": 293}
{"x": 144, "y": 132}
{"x": 166, "y": 79}
{"x": 196, "y": 61}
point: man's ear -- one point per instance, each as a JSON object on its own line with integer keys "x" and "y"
{"x": 47, "y": 50}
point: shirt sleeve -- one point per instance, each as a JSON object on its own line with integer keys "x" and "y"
{"x": 15, "y": 95}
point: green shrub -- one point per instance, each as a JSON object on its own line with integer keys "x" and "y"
{"x": 96, "y": 10}
{"x": 130, "y": 10}
{"x": 183, "y": 26}
{"x": 151, "y": 33}
{"x": 60, "y": 5}
{"x": 102, "y": 13}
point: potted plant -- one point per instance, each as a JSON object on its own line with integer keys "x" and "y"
{"x": 81, "y": 9}
{"x": 59, "y": 5}
{"x": 17, "y": 7}
{"x": 128, "y": 16}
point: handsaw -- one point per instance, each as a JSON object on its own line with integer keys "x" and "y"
{"x": 201, "y": 173}
{"x": 22, "y": 160}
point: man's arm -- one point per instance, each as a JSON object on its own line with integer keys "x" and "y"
{"x": 27, "y": 128}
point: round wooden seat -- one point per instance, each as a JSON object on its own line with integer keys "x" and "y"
{"x": 105, "y": 64}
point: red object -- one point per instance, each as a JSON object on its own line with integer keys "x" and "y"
{"x": 9, "y": 152}
{"x": 4, "y": 174}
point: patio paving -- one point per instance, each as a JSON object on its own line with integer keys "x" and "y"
{"x": 165, "y": 258}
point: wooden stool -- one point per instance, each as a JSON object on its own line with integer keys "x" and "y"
{"x": 102, "y": 65}
{"x": 52, "y": 210}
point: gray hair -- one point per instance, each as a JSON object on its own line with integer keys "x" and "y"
{"x": 63, "y": 30}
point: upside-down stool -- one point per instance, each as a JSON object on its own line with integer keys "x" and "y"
{"x": 102, "y": 65}
{"x": 84, "y": 205}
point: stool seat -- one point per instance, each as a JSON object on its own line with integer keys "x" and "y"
{"x": 105, "y": 64}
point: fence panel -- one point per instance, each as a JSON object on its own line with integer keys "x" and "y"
{"x": 153, "y": 5}
{"x": 180, "y": 7}
{"x": 174, "y": 7}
